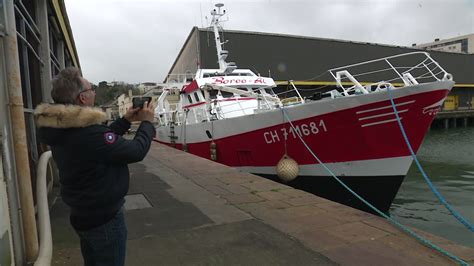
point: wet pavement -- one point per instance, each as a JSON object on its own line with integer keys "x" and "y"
{"x": 185, "y": 210}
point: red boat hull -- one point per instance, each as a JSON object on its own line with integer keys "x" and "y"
{"x": 358, "y": 138}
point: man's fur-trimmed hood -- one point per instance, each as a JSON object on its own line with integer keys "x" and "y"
{"x": 68, "y": 116}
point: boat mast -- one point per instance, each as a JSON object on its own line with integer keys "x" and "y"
{"x": 224, "y": 67}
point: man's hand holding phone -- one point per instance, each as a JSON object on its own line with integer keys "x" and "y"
{"x": 142, "y": 110}
{"x": 138, "y": 102}
{"x": 147, "y": 113}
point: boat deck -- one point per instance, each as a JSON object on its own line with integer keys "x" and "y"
{"x": 185, "y": 210}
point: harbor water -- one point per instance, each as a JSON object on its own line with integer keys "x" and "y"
{"x": 447, "y": 157}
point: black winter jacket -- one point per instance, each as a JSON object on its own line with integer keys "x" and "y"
{"x": 92, "y": 159}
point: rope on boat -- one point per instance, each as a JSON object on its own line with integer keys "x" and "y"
{"x": 440, "y": 197}
{"x": 424, "y": 241}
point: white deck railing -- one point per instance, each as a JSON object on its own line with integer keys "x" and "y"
{"x": 400, "y": 70}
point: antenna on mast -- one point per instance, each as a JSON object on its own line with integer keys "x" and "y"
{"x": 224, "y": 67}
{"x": 200, "y": 12}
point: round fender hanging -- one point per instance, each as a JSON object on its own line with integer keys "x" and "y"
{"x": 287, "y": 169}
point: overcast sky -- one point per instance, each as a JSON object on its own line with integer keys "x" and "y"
{"x": 138, "y": 41}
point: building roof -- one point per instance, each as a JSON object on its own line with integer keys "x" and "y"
{"x": 60, "y": 10}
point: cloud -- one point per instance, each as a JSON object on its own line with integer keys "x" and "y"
{"x": 137, "y": 41}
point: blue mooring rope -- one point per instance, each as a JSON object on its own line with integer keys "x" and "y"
{"x": 399, "y": 225}
{"x": 457, "y": 215}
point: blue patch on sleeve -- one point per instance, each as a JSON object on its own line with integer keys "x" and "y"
{"x": 110, "y": 137}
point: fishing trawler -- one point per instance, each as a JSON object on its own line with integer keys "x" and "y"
{"x": 234, "y": 117}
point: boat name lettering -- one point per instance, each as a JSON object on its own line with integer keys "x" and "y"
{"x": 222, "y": 80}
{"x": 304, "y": 129}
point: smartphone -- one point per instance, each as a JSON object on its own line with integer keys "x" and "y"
{"x": 138, "y": 102}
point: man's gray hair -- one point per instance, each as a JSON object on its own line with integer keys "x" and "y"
{"x": 67, "y": 85}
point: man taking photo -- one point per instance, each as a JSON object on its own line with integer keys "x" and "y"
{"x": 92, "y": 159}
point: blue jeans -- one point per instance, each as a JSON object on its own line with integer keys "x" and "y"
{"x": 106, "y": 244}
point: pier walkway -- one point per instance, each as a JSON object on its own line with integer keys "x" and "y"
{"x": 185, "y": 210}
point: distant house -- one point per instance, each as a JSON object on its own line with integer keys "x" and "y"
{"x": 115, "y": 83}
{"x": 112, "y": 110}
{"x": 124, "y": 102}
{"x": 147, "y": 86}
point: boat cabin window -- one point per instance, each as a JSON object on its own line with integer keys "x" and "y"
{"x": 208, "y": 75}
{"x": 226, "y": 94}
{"x": 256, "y": 90}
{"x": 270, "y": 91}
{"x": 213, "y": 94}
{"x": 190, "y": 99}
{"x": 238, "y": 74}
{"x": 196, "y": 96}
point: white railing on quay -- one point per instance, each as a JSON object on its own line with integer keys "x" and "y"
{"x": 45, "y": 238}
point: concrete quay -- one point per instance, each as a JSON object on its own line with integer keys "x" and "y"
{"x": 185, "y": 210}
